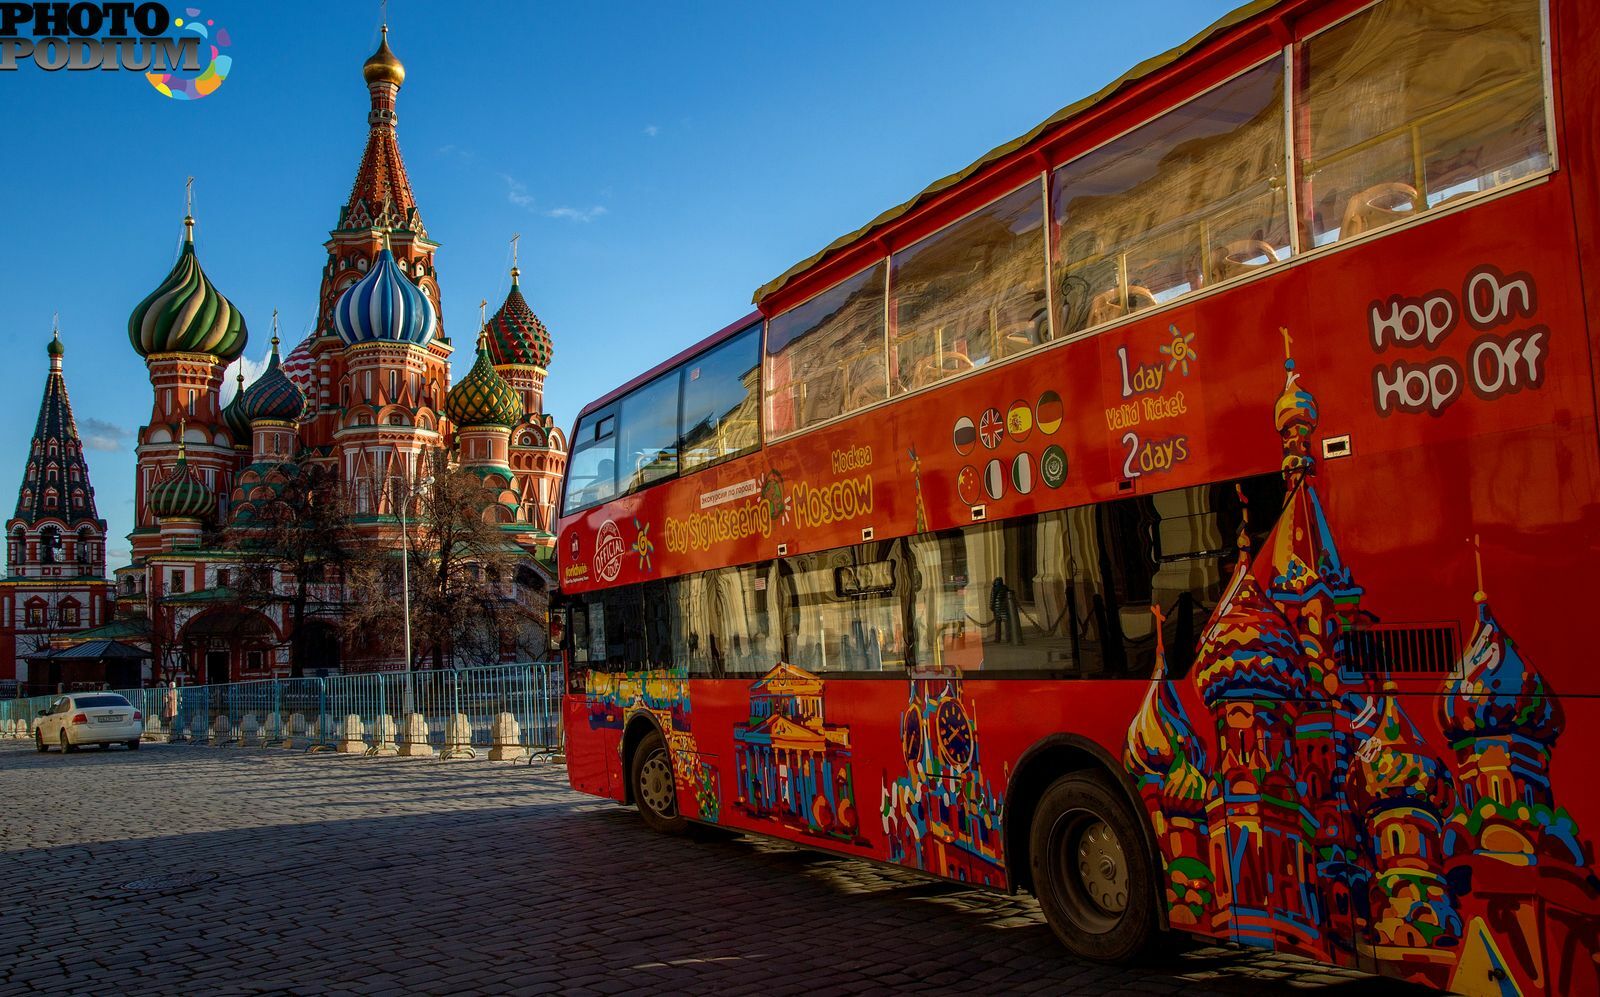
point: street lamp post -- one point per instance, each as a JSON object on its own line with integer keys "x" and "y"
{"x": 405, "y": 561}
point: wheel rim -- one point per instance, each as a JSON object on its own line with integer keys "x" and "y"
{"x": 1092, "y": 868}
{"x": 655, "y": 785}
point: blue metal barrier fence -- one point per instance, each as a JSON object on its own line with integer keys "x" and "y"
{"x": 510, "y": 710}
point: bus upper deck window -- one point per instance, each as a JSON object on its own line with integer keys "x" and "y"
{"x": 1412, "y": 105}
{"x": 970, "y": 293}
{"x": 825, "y": 356}
{"x": 1190, "y": 198}
{"x": 592, "y": 468}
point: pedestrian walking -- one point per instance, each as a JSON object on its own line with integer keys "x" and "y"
{"x": 1000, "y": 606}
{"x": 169, "y": 705}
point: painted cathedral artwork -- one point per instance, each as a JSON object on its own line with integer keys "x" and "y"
{"x": 1297, "y": 805}
{"x": 664, "y": 694}
{"x": 791, "y": 765}
{"x": 944, "y": 814}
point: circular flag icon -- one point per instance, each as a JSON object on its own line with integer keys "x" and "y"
{"x": 1050, "y": 410}
{"x": 967, "y": 485}
{"x": 1053, "y": 466}
{"x": 991, "y": 427}
{"x": 1022, "y": 473}
{"x": 1019, "y": 421}
{"x": 966, "y": 436}
{"x": 994, "y": 479}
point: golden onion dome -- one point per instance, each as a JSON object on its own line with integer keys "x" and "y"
{"x": 383, "y": 66}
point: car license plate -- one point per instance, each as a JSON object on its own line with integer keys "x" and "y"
{"x": 110, "y": 718}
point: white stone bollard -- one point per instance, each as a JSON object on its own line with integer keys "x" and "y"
{"x": 458, "y": 737}
{"x": 414, "y": 737}
{"x": 383, "y": 736}
{"x": 296, "y": 731}
{"x": 199, "y": 728}
{"x": 507, "y": 740}
{"x": 249, "y": 731}
{"x": 352, "y": 740}
{"x": 221, "y": 731}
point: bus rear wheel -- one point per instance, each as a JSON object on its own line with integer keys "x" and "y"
{"x": 1090, "y": 870}
{"x": 655, "y": 792}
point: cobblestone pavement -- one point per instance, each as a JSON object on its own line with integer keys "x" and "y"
{"x": 327, "y": 873}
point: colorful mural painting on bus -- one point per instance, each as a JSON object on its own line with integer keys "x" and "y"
{"x": 613, "y": 698}
{"x": 793, "y": 767}
{"x": 1297, "y": 805}
{"x": 943, "y": 816}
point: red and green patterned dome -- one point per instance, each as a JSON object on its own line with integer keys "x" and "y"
{"x": 181, "y": 494}
{"x": 186, "y": 314}
{"x": 483, "y": 398}
{"x": 516, "y": 336}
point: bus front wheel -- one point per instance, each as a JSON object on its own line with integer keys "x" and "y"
{"x": 1090, "y": 870}
{"x": 654, "y": 790}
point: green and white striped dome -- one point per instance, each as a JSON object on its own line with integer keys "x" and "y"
{"x": 181, "y": 494}
{"x": 186, "y": 314}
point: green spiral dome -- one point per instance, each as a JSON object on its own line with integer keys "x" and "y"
{"x": 181, "y": 494}
{"x": 483, "y": 398}
{"x": 186, "y": 314}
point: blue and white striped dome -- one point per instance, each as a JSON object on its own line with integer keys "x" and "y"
{"x": 385, "y": 305}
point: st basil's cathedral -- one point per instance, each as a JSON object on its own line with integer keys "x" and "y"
{"x": 367, "y": 394}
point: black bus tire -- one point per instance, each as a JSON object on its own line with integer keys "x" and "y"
{"x": 1091, "y": 872}
{"x": 655, "y": 792}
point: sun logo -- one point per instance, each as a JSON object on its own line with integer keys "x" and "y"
{"x": 1180, "y": 351}
{"x": 642, "y": 544}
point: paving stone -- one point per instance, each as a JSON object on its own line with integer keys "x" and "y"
{"x": 333, "y": 874}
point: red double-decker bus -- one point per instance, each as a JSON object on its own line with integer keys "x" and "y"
{"x": 1186, "y": 513}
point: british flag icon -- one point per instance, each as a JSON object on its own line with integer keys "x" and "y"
{"x": 991, "y": 427}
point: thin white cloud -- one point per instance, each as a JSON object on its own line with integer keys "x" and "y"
{"x": 230, "y": 380}
{"x": 577, "y": 214}
{"x": 457, "y": 152}
{"x": 106, "y": 437}
{"x": 652, "y": 130}
{"x": 517, "y": 192}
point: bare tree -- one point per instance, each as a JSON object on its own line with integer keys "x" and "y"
{"x": 290, "y": 546}
{"x": 462, "y": 574}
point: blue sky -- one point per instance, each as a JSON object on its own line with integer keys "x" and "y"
{"x": 660, "y": 161}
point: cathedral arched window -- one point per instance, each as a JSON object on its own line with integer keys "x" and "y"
{"x": 70, "y": 612}
{"x": 85, "y": 546}
{"x": 49, "y": 544}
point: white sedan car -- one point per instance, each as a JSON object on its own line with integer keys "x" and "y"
{"x": 81, "y": 718}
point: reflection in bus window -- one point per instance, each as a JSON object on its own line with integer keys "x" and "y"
{"x": 844, "y": 610}
{"x": 1412, "y": 105}
{"x": 722, "y": 623}
{"x": 720, "y": 401}
{"x": 1069, "y": 594}
{"x": 592, "y": 467}
{"x": 1194, "y": 197}
{"x": 825, "y": 357}
{"x": 647, "y": 434}
{"x": 970, "y": 293}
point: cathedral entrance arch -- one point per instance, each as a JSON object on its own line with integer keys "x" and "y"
{"x": 231, "y": 644}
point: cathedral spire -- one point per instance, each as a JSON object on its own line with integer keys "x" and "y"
{"x": 381, "y": 196}
{"x": 55, "y": 481}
